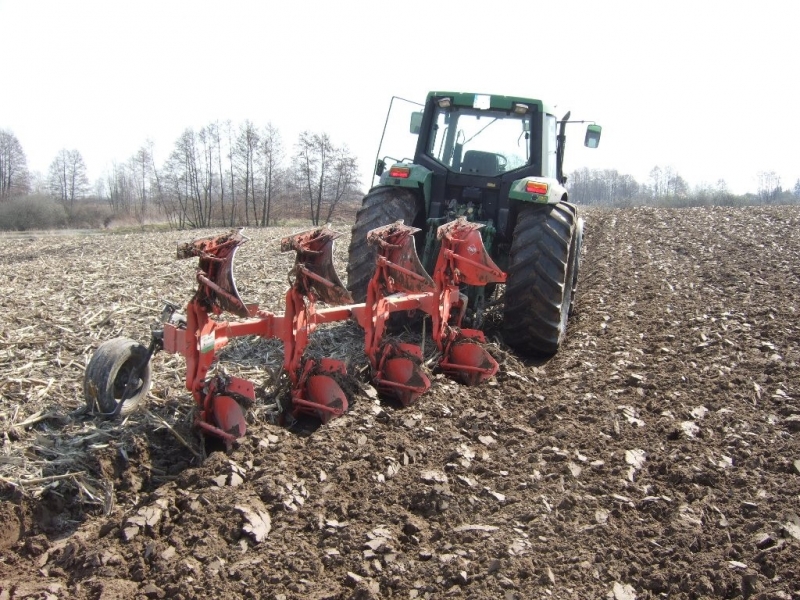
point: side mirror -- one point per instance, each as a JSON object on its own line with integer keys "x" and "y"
{"x": 380, "y": 167}
{"x": 416, "y": 122}
{"x": 592, "y": 136}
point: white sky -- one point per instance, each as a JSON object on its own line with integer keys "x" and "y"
{"x": 707, "y": 87}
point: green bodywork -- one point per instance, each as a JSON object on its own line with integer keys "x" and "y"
{"x": 554, "y": 192}
{"x": 419, "y": 178}
{"x": 496, "y": 102}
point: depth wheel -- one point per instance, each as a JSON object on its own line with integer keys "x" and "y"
{"x": 113, "y": 365}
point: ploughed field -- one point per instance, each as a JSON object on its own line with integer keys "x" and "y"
{"x": 656, "y": 455}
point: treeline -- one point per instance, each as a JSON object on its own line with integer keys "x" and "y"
{"x": 220, "y": 175}
{"x": 665, "y": 187}
{"x": 226, "y": 175}
{"x": 243, "y": 175}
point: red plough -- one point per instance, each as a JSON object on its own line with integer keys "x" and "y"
{"x": 399, "y": 284}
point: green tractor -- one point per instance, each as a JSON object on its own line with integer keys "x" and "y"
{"x": 496, "y": 160}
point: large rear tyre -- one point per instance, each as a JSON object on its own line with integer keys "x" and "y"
{"x": 381, "y": 206}
{"x": 542, "y": 274}
{"x": 114, "y": 365}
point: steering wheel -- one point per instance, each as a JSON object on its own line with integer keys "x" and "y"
{"x": 502, "y": 162}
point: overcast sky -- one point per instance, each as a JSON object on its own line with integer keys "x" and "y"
{"x": 709, "y": 88}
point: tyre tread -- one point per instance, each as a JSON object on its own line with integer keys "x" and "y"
{"x": 381, "y": 206}
{"x": 540, "y": 264}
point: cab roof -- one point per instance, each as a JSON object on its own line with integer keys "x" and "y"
{"x": 495, "y": 101}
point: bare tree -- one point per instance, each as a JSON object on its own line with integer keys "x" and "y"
{"x": 271, "y": 156}
{"x": 667, "y": 185}
{"x": 245, "y": 149}
{"x": 594, "y": 186}
{"x": 676, "y": 186}
{"x": 722, "y": 195}
{"x": 206, "y": 172}
{"x": 68, "y": 180}
{"x": 142, "y": 173}
{"x": 119, "y": 189}
{"x": 210, "y": 171}
{"x": 183, "y": 181}
{"x": 341, "y": 181}
{"x": 657, "y": 184}
{"x": 215, "y": 135}
{"x": 324, "y": 174}
{"x": 231, "y": 175}
{"x": 769, "y": 186}
{"x": 14, "y": 176}
{"x": 39, "y": 184}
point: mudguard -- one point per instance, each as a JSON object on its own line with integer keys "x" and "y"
{"x": 555, "y": 192}
{"x": 419, "y": 178}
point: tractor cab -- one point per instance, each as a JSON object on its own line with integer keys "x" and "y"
{"x": 475, "y": 154}
{"x": 479, "y": 140}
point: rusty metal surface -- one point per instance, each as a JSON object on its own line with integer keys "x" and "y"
{"x": 397, "y": 252}
{"x": 399, "y": 283}
{"x": 314, "y": 271}
{"x": 217, "y": 290}
{"x": 464, "y": 253}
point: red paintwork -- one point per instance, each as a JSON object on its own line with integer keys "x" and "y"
{"x": 399, "y": 284}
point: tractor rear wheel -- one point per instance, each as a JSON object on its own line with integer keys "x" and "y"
{"x": 113, "y": 365}
{"x": 542, "y": 274}
{"x": 381, "y": 206}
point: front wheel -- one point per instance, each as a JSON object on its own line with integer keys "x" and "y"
{"x": 381, "y": 206}
{"x": 117, "y": 377}
{"x": 542, "y": 274}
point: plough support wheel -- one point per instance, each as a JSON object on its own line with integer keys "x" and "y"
{"x": 117, "y": 377}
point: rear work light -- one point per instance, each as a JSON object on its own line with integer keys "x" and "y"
{"x": 536, "y": 187}
{"x": 399, "y": 172}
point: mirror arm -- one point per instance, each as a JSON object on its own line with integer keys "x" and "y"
{"x": 561, "y": 142}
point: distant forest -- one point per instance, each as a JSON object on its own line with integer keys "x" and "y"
{"x": 665, "y": 187}
{"x": 243, "y": 175}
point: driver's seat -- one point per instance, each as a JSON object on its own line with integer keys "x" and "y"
{"x": 477, "y": 162}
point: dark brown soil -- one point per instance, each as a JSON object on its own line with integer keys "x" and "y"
{"x": 655, "y": 456}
